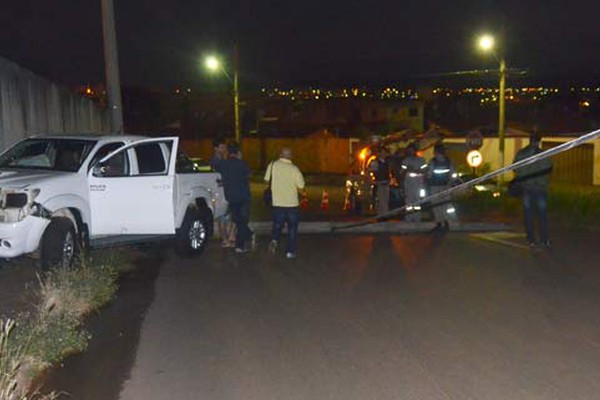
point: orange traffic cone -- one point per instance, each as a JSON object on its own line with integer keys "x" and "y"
{"x": 304, "y": 201}
{"x": 325, "y": 201}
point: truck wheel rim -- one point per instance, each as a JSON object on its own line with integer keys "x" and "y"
{"x": 197, "y": 235}
{"x": 68, "y": 249}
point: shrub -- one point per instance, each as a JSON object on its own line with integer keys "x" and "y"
{"x": 77, "y": 291}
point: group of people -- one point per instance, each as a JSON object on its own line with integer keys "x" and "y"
{"x": 422, "y": 179}
{"x": 284, "y": 179}
{"x": 419, "y": 179}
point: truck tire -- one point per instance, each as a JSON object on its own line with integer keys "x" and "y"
{"x": 195, "y": 232}
{"x": 59, "y": 246}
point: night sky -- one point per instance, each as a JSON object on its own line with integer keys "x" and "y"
{"x": 309, "y": 41}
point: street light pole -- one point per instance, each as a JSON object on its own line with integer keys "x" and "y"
{"x": 236, "y": 95}
{"x": 111, "y": 65}
{"x": 212, "y": 63}
{"x": 502, "y": 109}
{"x": 487, "y": 44}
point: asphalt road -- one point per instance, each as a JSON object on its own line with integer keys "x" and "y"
{"x": 364, "y": 317}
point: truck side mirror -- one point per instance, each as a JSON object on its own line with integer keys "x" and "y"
{"x": 99, "y": 170}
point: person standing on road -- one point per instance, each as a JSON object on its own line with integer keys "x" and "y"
{"x": 219, "y": 153}
{"x": 440, "y": 173}
{"x": 534, "y": 179}
{"x": 225, "y": 226}
{"x": 380, "y": 169}
{"x": 235, "y": 173}
{"x": 414, "y": 167}
{"x": 286, "y": 180}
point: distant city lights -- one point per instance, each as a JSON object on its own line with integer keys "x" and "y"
{"x": 485, "y": 96}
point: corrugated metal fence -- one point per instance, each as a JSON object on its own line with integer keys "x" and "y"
{"x": 31, "y": 105}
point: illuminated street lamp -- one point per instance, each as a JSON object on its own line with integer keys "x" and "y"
{"x": 487, "y": 44}
{"x": 213, "y": 64}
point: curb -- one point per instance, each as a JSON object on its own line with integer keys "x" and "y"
{"x": 394, "y": 227}
{"x": 511, "y": 239}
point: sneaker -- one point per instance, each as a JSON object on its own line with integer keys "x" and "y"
{"x": 272, "y": 247}
{"x": 289, "y": 254}
{"x": 240, "y": 250}
{"x": 545, "y": 243}
{"x": 532, "y": 244}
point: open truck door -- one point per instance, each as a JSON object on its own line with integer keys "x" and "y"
{"x": 131, "y": 189}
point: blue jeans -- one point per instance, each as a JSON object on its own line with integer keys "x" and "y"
{"x": 535, "y": 204}
{"x": 240, "y": 214}
{"x": 291, "y": 216}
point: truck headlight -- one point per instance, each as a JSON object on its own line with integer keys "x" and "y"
{"x": 17, "y": 204}
{"x": 16, "y": 200}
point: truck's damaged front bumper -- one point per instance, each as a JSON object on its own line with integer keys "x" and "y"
{"x": 23, "y": 237}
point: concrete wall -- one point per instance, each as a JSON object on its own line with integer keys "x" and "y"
{"x": 333, "y": 156}
{"x": 596, "y": 162}
{"x": 311, "y": 155}
{"x": 30, "y": 105}
{"x": 580, "y": 165}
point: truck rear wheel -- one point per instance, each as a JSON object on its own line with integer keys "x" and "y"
{"x": 195, "y": 232}
{"x": 59, "y": 246}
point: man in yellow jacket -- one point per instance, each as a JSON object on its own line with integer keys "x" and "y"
{"x": 286, "y": 180}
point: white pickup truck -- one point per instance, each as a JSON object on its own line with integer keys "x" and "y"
{"x": 59, "y": 195}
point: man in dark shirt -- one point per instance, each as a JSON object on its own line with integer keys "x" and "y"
{"x": 534, "y": 180}
{"x": 225, "y": 226}
{"x": 235, "y": 173}
{"x": 219, "y": 154}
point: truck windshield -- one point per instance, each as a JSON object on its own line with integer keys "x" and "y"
{"x": 47, "y": 154}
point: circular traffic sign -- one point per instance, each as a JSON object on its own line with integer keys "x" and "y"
{"x": 474, "y": 141}
{"x": 474, "y": 158}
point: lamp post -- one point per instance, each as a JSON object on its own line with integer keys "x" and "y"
{"x": 111, "y": 66}
{"x": 487, "y": 44}
{"x": 213, "y": 63}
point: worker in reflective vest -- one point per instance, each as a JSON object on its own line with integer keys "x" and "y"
{"x": 440, "y": 174}
{"x": 414, "y": 168}
{"x": 380, "y": 171}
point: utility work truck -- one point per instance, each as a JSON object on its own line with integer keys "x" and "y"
{"x": 60, "y": 195}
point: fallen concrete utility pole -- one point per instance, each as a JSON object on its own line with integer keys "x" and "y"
{"x": 466, "y": 185}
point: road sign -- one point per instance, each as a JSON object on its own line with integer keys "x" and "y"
{"x": 474, "y": 141}
{"x": 474, "y": 158}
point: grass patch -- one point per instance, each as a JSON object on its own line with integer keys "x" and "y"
{"x": 575, "y": 206}
{"x": 65, "y": 297}
{"x": 13, "y": 358}
{"x": 76, "y": 292}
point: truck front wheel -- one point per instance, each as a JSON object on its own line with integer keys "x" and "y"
{"x": 194, "y": 233}
{"x": 59, "y": 245}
